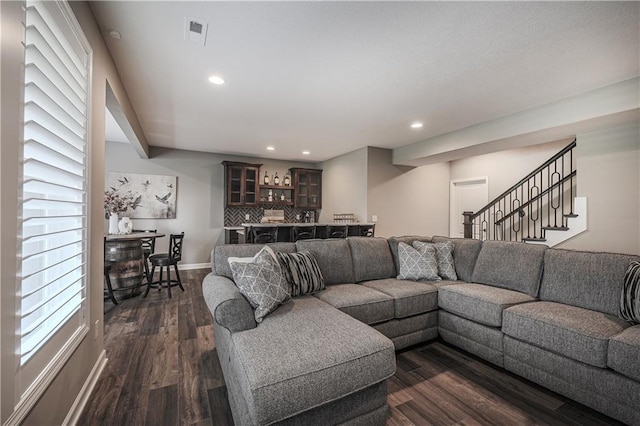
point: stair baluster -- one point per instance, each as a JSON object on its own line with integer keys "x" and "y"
{"x": 519, "y": 212}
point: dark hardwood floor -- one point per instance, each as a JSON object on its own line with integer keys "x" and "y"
{"x": 163, "y": 369}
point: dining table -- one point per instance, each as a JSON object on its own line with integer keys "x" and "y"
{"x": 127, "y": 256}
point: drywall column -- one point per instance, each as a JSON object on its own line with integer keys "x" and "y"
{"x": 407, "y": 200}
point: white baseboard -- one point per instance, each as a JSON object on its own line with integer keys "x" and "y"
{"x": 189, "y": 266}
{"x": 87, "y": 389}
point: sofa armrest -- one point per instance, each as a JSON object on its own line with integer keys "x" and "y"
{"x": 229, "y": 307}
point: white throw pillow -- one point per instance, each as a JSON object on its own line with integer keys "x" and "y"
{"x": 417, "y": 264}
{"x": 262, "y": 283}
{"x": 444, "y": 257}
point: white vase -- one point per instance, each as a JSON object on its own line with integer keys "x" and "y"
{"x": 125, "y": 226}
{"x": 113, "y": 223}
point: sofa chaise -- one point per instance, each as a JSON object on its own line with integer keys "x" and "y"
{"x": 549, "y": 315}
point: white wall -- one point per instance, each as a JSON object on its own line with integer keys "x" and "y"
{"x": 57, "y": 399}
{"x": 505, "y": 168}
{"x": 608, "y": 164}
{"x": 344, "y": 186}
{"x": 407, "y": 200}
{"x": 200, "y": 191}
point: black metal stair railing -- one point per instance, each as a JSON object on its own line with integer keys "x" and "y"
{"x": 540, "y": 201}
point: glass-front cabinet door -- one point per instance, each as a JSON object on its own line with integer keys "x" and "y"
{"x": 308, "y": 188}
{"x": 251, "y": 185}
{"x": 241, "y": 183}
{"x": 234, "y": 185}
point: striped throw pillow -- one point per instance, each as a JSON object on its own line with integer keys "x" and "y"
{"x": 302, "y": 272}
{"x": 630, "y": 297}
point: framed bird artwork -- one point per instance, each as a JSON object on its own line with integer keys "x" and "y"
{"x": 155, "y": 195}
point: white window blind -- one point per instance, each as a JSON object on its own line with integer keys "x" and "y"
{"x": 54, "y": 187}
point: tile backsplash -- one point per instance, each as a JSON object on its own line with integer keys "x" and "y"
{"x": 234, "y": 216}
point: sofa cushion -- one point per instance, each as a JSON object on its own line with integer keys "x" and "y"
{"x": 479, "y": 339}
{"x": 624, "y": 353}
{"x": 371, "y": 258}
{"x": 334, "y": 259}
{"x": 465, "y": 254}
{"x": 304, "y": 355}
{"x": 409, "y": 297}
{"x": 407, "y": 326}
{"x": 444, "y": 258}
{"x": 478, "y": 302}
{"x": 362, "y": 303}
{"x": 221, "y": 254}
{"x": 513, "y": 265}
{"x": 407, "y": 239}
{"x": 630, "y": 297}
{"x": 589, "y": 280}
{"x": 417, "y": 263}
{"x": 302, "y": 272}
{"x": 262, "y": 283}
{"x": 574, "y": 332}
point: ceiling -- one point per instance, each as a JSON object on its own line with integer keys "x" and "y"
{"x": 332, "y": 77}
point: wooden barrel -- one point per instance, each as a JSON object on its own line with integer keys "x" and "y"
{"x": 128, "y": 269}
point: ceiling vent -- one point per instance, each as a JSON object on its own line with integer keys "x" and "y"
{"x": 195, "y": 31}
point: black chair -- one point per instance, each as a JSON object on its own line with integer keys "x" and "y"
{"x": 167, "y": 260}
{"x": 264, "y": 234}
{"x": 148, "y": 248}
{"x": 367, "y": 230}
{"x": 302, "y": 232}
{"x": 337, "y": 231}
{"x": 108, "y": 292}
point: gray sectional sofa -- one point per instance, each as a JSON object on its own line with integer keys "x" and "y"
{"x": 548, "y": 315}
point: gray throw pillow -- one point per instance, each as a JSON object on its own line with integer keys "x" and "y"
{"x": 302, "y": 272}
{"x": 417, "y": 264}
{"x": 262, "y": 283}
{"x": 444, "y": 257}
{"x": 630, "y": 297}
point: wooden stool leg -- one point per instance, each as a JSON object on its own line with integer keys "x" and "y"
{"x": 146, "y": 269}
{"x": 110, "y": 289}
{"x": 169, "y": 281}
{"x": 175, "y": 266}
{"x": 153, "y": 270}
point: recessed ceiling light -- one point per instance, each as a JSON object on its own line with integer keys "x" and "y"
{"x": 115, "y": 34}
{"x": 216, "y": 80}
{"x": 416, "y": 125}
{"x": 270, "y": 148}
{"x": 305, "y": 153}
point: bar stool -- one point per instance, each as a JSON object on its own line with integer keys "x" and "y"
{"x": 264, "y": 234}
{"x": 367, "y": 230}
{"x": 167, "y": 260}
{"x": 148, "y": 248}
{"x": 337, "y": 231}
{"x": 302, "y": 232}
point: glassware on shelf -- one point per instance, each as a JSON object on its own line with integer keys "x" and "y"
{"x": 266, "y": 179}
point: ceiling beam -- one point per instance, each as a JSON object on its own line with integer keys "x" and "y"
{"x": 608, "y": 106}
{"x": 136, "y": 136}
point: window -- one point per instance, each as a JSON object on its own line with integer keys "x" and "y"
{"x": 54, "y": 237}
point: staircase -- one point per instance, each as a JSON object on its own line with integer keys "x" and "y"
{"x": 539, "y": 209}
